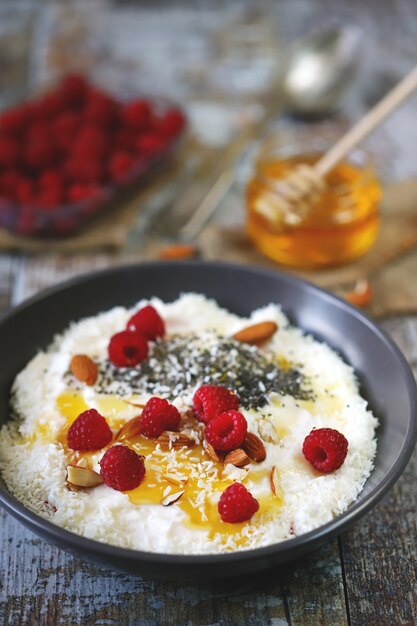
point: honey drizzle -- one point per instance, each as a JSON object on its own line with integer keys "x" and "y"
{"x": 193, "y": 464}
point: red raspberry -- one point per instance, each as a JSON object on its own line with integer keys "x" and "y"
{"x": 91, "y": 143}
{"x": 122, "y": 469}
{"x": 101, "y": 108}
{"x": 15, "y": 119}
{"x": 88, "y": 151}
{"x": 8, "y": 183}
{"x": 157, "y": 416}
{"x": 49, "y": 199}
{"x": 93, "y": 133}
{"x": 124, "y": 140}
{"x": 50, "y": 104}
{"x": 211, "y": 400}
{"x": 90, "y": 431}
{"x": 38, "y": 154}
{"x": 51, "y": 179}
{"x": 151, "y": 144}
{"x": 9, "y": 152}
{"x": 147, "y": 322}
{"x": 227, "y": 431}
{"x": 65, "y": 127}
{"x": 120, "y": 164}
{"x": 78, "y": 192}
{"x": 37, "y": 131}
{"x": 84, "y": 170}
{"x": 127, "y": 349}
{"x": 137, "y": 114}
{"x": 24, "y": 191}
{"x": 171, "y": 123}
{"x": 237, "y": 504}
{"x": 325, "y": 449}
{"x": 73, "y": 89}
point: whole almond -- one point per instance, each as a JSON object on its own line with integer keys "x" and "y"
{"x": 84, "y": 369}
{"x": 130, "y": 429}
{"x": 237, "y": 457}
{"x": 257, "y": 333}
{"x": 179, "y": 251}
{"x": 254, "y": 448}
{"x": 171, "y": 439}
{"x": 215, "y": 456}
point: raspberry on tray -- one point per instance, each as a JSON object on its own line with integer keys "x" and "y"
{"x": 90, "y": 138}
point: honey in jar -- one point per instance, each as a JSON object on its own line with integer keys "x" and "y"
{"x": 341, "y": 223}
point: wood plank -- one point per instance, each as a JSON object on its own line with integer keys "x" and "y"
{"x": 379, "y": 553}
{"x": 314, "y": 589}
{"x": 46, "y": 586}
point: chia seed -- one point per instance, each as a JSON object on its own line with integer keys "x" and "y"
{"x": 183, "y": 362}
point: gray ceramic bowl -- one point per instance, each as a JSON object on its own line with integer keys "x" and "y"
{"x": 386, "y": 379}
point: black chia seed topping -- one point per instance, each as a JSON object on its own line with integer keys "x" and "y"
{"x": 178, "y": 364}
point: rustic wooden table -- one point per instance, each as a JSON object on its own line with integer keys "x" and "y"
{"x": 366, "y": 577}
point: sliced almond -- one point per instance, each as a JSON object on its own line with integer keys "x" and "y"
{"x": 172, "y": 498}
{"x": 82, "y": 477}
{"x": 257, "y": 333}
{"x": 171, "y": 439}
{"x": 84, "y": 369}
{"x": 237, "y": 457}
{"x": 130, "y": 429}
{"x": 83, "y": 462}
{"x": 268, "y": 431}
{"x": 176, "y": 479}
{"x": 275, "y": 482}
{"x": 254, "y": 447}
{"x": 215, "y": 456}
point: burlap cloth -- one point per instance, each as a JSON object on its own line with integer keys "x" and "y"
{"x": 391, "y": 265}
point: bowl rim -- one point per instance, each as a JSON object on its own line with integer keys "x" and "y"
{"x": 297, "y": 544}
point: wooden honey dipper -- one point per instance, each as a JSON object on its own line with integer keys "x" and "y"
{"x": 297, "y": 192}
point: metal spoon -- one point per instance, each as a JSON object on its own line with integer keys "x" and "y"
{"x": 320, "y": 70}
{"x": 316, "y": 77}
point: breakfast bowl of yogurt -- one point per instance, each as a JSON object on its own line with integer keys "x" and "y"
{"x": 197, "y": 419}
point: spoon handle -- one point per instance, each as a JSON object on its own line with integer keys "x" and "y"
{"x": 367, "y": 124}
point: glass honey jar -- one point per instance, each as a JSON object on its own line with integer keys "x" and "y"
{"x": 342, "y": 221}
